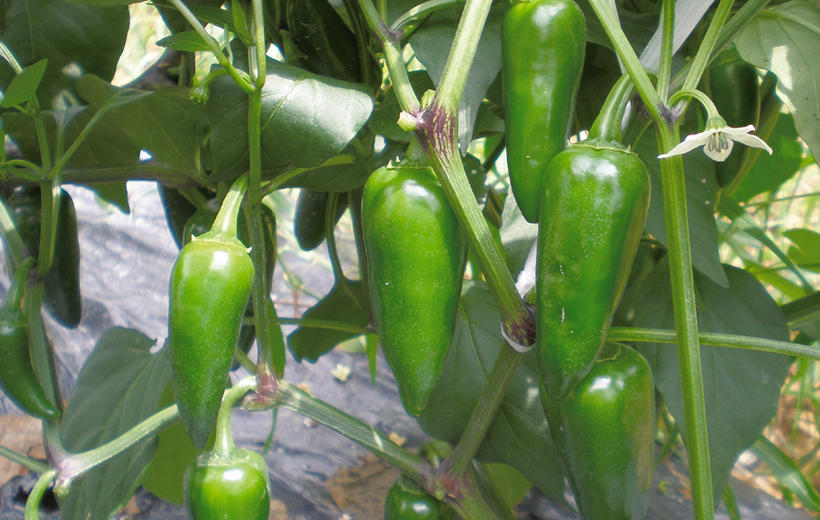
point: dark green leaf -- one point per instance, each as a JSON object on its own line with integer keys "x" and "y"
{"x": 807, "y": 252}
{"x": 770, "y": 171}
{"x": 113, "y": 192}
{"x": 787, "y": 473}
{"x": 187, "y": 41}
{"x": 334, "y": 177}
{"x": 347, "y": 304}
{"x": 75, "y": 39}
{"x": 742, "y": 387}
{"x": 119, "y": 385}
{"x": 305, "y": 120}
{"x": 517, "y": 235}
{"x": 519, "y": 435}
{"x": 786, "y": 40}
{"x": 701, "y": 189}
{"x": 23, "y": 87}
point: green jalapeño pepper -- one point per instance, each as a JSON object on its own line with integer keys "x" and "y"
{"x": 17, "y": 377}
{"x": 61, "y": 286}
{"x": 733, "y": 88}
{"x": 542, "y": 54}
{"x": 594, "y": 207}
{"x": 210, "y": 285}
{"x": 309, "y": 217}
{"x": 416, "y": 256}
{"x": 227, "y": 483}
{"x": 604, "y": 431}
{"x": 407, "y": 501}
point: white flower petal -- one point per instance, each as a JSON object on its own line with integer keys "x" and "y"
{"x": 753, "y": 141}
{"x": 690, "y": 143}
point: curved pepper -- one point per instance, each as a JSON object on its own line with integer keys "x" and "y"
{"x": 407, "y": 501}
{"x": 733, "y": 89}
{"x": 604, "y": 433}
{"x": 61, "y": 286}
{"x": 17, "y": 377}
{"x": 416, "y": 256}
{"x": 594, "y": 207}
{"x": 542, "y": 54}
{"x": 309, "y": 217}
{"x": 210, "y": 285}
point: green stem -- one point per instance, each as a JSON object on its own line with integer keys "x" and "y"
{"x": 239, "y": 77}
{"x": 36, "y": 495}
{"x": 10, "y": 58}
{"x": 42, "y": 355}
{"x": 325, "y": 324}
{"x": 354, "y": 429}
{"x": 667, "y": 45}
{"x": 15, "y": 248}
{"x": 223, "y": 439}
{"x": 484, "y": 412}
{"x": 462, "y": 52}
{"x": 612, "y": 26}
{"x": 707, "y": 45}
{"x": 803, "y": 310}
{"x": 686, "y": 325}
{"x": 420, "y": 11}
{"x": 607, "y": 126}
{"x": 73, "y": 466}
{"x": 259, "y": 45}
{"x": 27, "y": 462}
{"x": 716, "y": 340}
{"x": 713, "y": 117}
{"x": 738, "y": 21}
{"x": 224, "y": 225}
{"x": 50, "y": 195}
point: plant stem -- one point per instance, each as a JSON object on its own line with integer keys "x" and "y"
{"x": 715, "y": 339}
{"x": 36, "y": 495}
{"x": 225, "y": 222}
{"x": 420, "y": 11}
{"x": 27, "y": 462}
{"x": 293, "y": 398}
{"x": 223, "y": 441}
{"x": 484, "y": 412}
{"x": 667, "y": 44}
{"x": 686, "y": 325}
{"x": 707, "y": 45}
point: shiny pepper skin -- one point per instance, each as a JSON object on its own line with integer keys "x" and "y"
{"x": 227, "y": 487}
{"x": 416, "y": 256}
{"x": 593, "y": 212}
{"x": 210, "y": 286}
{"x": 604, "y": 433}
{"x": 17, "y": 377}
{"x": 542, "y": 46}
{"x": 407, "y": 501}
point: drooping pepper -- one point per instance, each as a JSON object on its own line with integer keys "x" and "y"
{"x": 309, "y": 217}
{"x": 594, "y": 206}
{"x": 734, "y": 90}
{"x": 604, "y": 433}
{"x": 210, "y": 285}
{"x": 542, "y": 54}
{"x": 61, "y": 286}
{"x": 227, "y": 483}
{"x": 17, "y": 377}
{"x": 407, "y": 501}
{"x": 416, "y": 256}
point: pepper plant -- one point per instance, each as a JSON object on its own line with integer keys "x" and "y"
{"x": 443, "y": 127}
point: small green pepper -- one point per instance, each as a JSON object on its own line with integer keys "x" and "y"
{"x": 416, "y": 257}
{"x": 210, "y": 285}
{"x": 233, "y": 487}
{"x": 542, "y": 54}
{"x": 17, "y": 377}
{"x": 594, "y": 207}
{"x": 604, "y": 433}
{"x": 309, "y": 217}
{"x": 407, "y": 501}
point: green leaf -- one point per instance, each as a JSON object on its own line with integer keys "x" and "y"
{"x": 742, "y": 387}
{"x": 75, "y": 39}
{"x": 787, "y": 473}
{"x": 517, "y": 235}
{"x": 508, "y": 482}
{"x": 346, "y": 176}
{"x": 701, "y": 191}
{"x": 175, "y": 450}
{"x": 770, "y": 171}
{"x": 105, "y": 3}
{"x": 347, "y": 304}
{"x": 786, "y": 40}
{"x": 807, "y": 252}
{"x": 519, "y": 435}
{"x": 306, "y": 119}
{"x": 115, "y": 193}
{"x": 23, "y": 87}
{"x": 119, "y": 385}
{"x": 187, "y": 41}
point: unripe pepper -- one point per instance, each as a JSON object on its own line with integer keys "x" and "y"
{"x": 17, "y": 377}
{"x": 604, "y": 433}
{"x": 61, "y": 286}
{"x": 416, "y": 255}
{"x": 210, "y": 285}
{"x": 407, "y": 501}
{"x": 733, "y": 88}
{"x": 309, "y": 217}
{"x": 594, "y": 207}
{"x": 542, "y": 54}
